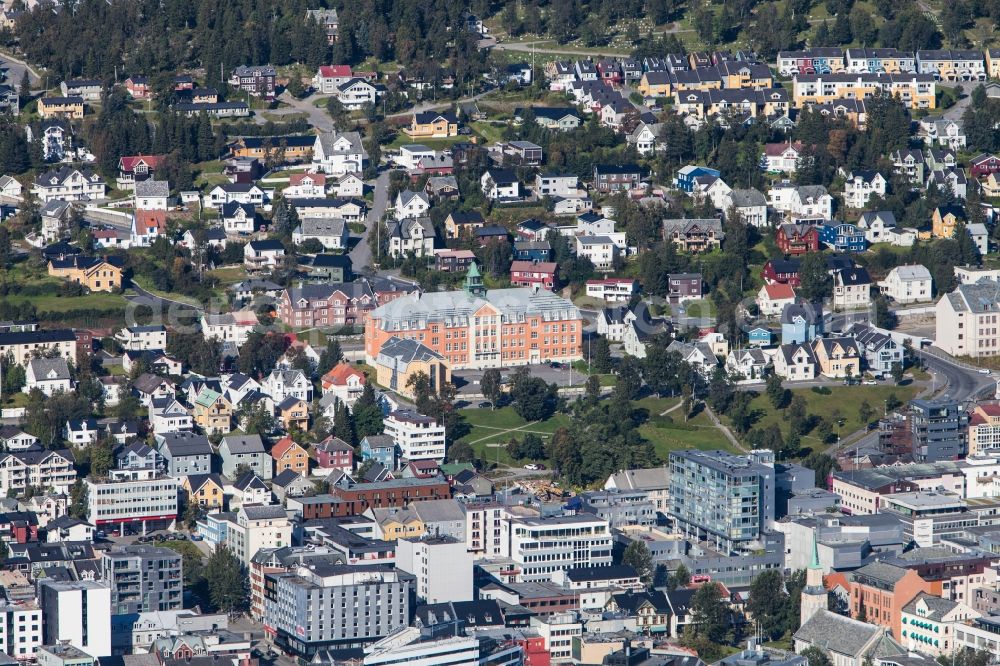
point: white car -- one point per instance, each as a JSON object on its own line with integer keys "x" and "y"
{"x": 984, "y": 371}
{"x": 869, "y": 382}
{"x": 531, "y": 466}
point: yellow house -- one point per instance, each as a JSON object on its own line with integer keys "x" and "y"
{"x": 991, "y": 186}
{"x": 460, "y": 224}
{"x": 432, "y": 125}
{"x": 294, "y": 413}
{"x": 205, "y": 490}
{"x": 94, "y": 273}
{"x": 402, "y": 358}
{"x": 61, "y": 107}
{"x": 914, "y": 90}
{"x": 398, "y": 523}
{"x": 655, "y": 84}
{"x": 212, "y": 412}
{"x": 993, "y": 63}
{"x": 944, "y": 219}
{"x": 837, "y": 357}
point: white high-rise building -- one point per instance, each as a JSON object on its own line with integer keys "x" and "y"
{"x": 418, "y": 437}
{"x": 442, "y": 565}
{"x": 21, "y": 632}
{"x": 542, "y": 546}
{"x": 78, "y": 613}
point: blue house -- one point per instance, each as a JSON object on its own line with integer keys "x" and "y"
{"x": 525, "y": 250}
{"x": 381, "y": 449}
{"x": 801, "y": 322}
{"x": 760, "y": 336}
{"x": 684, "y": 180}
{"x": 842, "y": 236}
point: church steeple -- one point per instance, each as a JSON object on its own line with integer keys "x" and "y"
{"x": 814, "y": 593}
{"x": 474, "y": 281}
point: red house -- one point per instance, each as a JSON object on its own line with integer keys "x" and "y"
{"x": 785, "y": 271}
{"x": 531, "y": 273}
{"x": 796, "y": 239}
{"x": 138, "y": 87}
{"x": 334, "y": 453}
{"x": 984, "y": 165}
{"x": 610, "y": 71}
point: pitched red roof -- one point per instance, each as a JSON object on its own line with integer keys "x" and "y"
{"x": 539, "y": 267}
{"x": 340, "y": 373}
{"x": 316, "y": 178}
{"x": 282, "y": 447}
{"x": 129, "y": 162}
{"x": 779, "y": 291}
{"x": 775, "y": 149}
{"x": 335, "y": 71}
{"x": 151, "y": 219}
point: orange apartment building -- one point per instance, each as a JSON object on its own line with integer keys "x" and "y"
{"x": 878, "y": 592}
{"x": 476, "y": 328}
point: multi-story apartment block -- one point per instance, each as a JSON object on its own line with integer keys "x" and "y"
{"x": 36, "y": 468}
{"x": 875, "y": 61}
{"x": 968, "y": 320}
{"x": 752, "y": 103}
{"x": 543, "y": 546}
{"x": 914, "y": 90}
{"x": 442, "y": 567}
{"x": 328, "y": 606}
{"x": 77, "y": 613}
{"x": 27, "y": 344}
{"x": 720, "y": 497}
{"x": 418, "y": 437}
{"x": 476, "y": 328}
{"x": 132, "y": 496}
{"x": 952, "y": 65}
{"x": 309, "y": 305}
{"x": 484, "y": 528}
{"x": 818, "y": 60}
{"x": 939, "y": 430}
{"x": 185, "y": 453}
{"x": 984, "y": 429}
{"x": 143, "y": 579}
{"x": 68, "y": 184}
{"x": 138, "y": 338}
{"x": 258, "y": 526}
{"x": 21, "y": 633}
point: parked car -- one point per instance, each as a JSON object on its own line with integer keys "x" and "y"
{"x": 531, "y": 466}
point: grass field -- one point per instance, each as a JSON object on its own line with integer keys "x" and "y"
{"x": 490, "y": 427}
{"x": 672, "y": 433}
{"x": 843, "y": 402}
{"x": 492, "y": 133}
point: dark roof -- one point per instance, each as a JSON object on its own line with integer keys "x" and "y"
{"x": 29, "y": 337}
{"x": 266, "y": 245}
{"x": 583, "y": 574}
{"x": 297, "y": 141}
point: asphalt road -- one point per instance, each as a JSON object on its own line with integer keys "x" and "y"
{"x": 961, "y": 383}
{"x": 361, "y": 254}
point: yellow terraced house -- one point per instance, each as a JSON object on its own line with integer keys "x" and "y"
{"x": 915, "y": 90}
{"x": 61, "y": 107}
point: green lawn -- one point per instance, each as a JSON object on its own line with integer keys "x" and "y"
{"x": 843, "y": 402}
{"x": 146, "y": 283}
{"x": 672, "y": 433}
{"x": 403, "y": 140}
{"x": 489, "y": 131}
{"x": 490, "y": 427}
{"x": 229, "y": 274}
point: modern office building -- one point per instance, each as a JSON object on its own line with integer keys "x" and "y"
{"x": 543, "y": 546}
{"x": 20, "y": 630}
{"x": 940, "y": 430}
{"x": 62, "y": 654}
{"x": 327, "y": 606}
{"x": 132, "y": 496}
{"x": 721, "y": 498}
{"x": 442, "y": 567}
{"x": 417, "y": 437}
{"x": 143, "y": 579}
{"x": 929, "y": 517}
{"x": 77, "y": 613}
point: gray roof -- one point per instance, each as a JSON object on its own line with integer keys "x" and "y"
{"x": 514, "y": 304}
{"x": 437, "y": 511}
{"x": 880, "y": 571}
{"x": 746, "y": 198}
{"x": 405, "y": 228}
{"x": 315, "y": 226}
{"x": 41, "y": 367}
{"x": 398, "y": 350}
{"x": 405, "y": 196}
{"x": 654, "y": 478}
{"x": 263, "y": 512}
{"x": 327, "y": 141}
{"x": 313, "y": 292}
{"x": 185, "y": 444}
{"x": 912, "y": 272}
{"x": 152, "y": 188}
{"x": 937, "y": 606}
{"x": 244, "y": 444}
{"x": 836, "y": 633}
{"x": 979, "y": 297}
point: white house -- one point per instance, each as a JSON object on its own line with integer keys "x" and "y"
{"x": 244, "y": 193}
{"x": 68, "y": 184}
{"x": 263, "y": 254}
{"x": 801, "y": 202}
{"x": 877, "y": 225}
{"x": 851, "y": 289}
{"x": 168, "y": 415}
{"x": 612, "y": 290}
{"x": 556, "y": 184}
{"x": 772, "y": 298}
{"x": 781, "y": 157}
{"x": 349, "y": 185}
{"x": 329, "y": 77}
{"x": 795, "y": 361}
{"x": 281, "y": 384}
{"x": 139, "y": 338}
{"x": 411, "y": 204}
{"x": 418, "y": 437}
{"x": 751, "y": 205}
{"x": 411, "y": 154}
{"x": 234, "y": 327}
{"x": 152, "y": 194}
{"x": 238, "y": 218}
{"x": 333, "y": 234}
{"x": 10, "y": 187}
{"x": 415, "y": 235}
{"x": 305, "y": 185}
{"x": 750, "y": 364}
{"x": 48, "y": 375}
{"x": 601, "y": 250}
{"x": 908, "y": 284}
{"x": 500, "y": 185}
{"x": 980, "y": 236}
{"x": 936, "y": 131}
{"x": 356, "y": 93}
{"x": 339, "y": 153}
{"x": 646, "y": 138}
{"x": 861, "y": 185}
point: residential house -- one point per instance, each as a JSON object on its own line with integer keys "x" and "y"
{"x": 205, "y": 490}
{"x": 879, "y": 350}
{"x": 983, "y": 165}
{"x": 950, "y": 180}
{"x": 453, "y": 261}
{"x": 750, "y": 205}
{"x": 350, "y": 185}
{"x": 230, "y": 327}
{"x": 288, "y": 455}
{"x": 259, "y": 80}
{"x": 556, "y": 184}
{"x": 244, "y": 193}
{"x": 356, "y": 94}
{"x": 837, "y": 357}
{"x": 687, "y": 177}
{"x": 329, "y": 77}
{"x": 147, "y": 226}
{"x": 138, "y": 338}
{"x": 94, "y": 273}
{"x": 877, "y": 226}
{"x": 980, "y": 237}
{"x": 305, "y": 185}
{"x": 246, "y": 452}
{"x": 601, "y": 250}
{"x": 646, "y": 138}
{"x": 801, "y": 323}
{"x": 521, "y": 153}
{"x": 339, "y": 153}
{"x": 238, "y": 218}
{"x": 801, "y": 201}
{"x": 432, "y": 125}
{"x": 332, "y": 234}
{"x": 416, "y": 235}
{"x": 616, "y": 290}
{"x": 459, "y": 224}
{"x": 861, "y": 185}
{"x": 649, "y": 609}
{"x": 336, "y": 304}
{"x": 699, "y": 356}
{"x": 70, "y": 108}
{"x": 48, "y": 375}
{"x": 531, "y": 273}
{"x": 399, "y": 359}
{"x": 966, "y": 319}
{"x": 293, "y": 412}
{"x": 795, "y": 239}
{"x": 944, "y": 219}
{"x": 280, "y": 384}
{"x": 411, "y": 204}
{"x": 694, "y": 235}
{"x": 136, "y": 168}
{"x": 909, "y": 162}
{"x": 842, "y": 236}
{"x": 908, "y": 284}
{"x": 947, "y": 133}
{"x": 772, "y": 299}
{"x": 68, "y": 184}
{"x": 851, "y": 289}
{"x": 683, "y": 287}
{"x": 166, "y": 414}
{"x": 563, "y": 119}
{"x": 345, "y": 382}
{"x": 381, "y": 449}
{"x": 751, "y": 365}
{"x": 500, "y": 185}
{"x": 150, "y": 194}
{"x": 185, "y": 453}
{"x": 617, "y": 177}
{"x": 263, "y": 255}
{"x": 212, "y": 412}
{"x": 795, "y": 361}
{"x": 781, "y": 157}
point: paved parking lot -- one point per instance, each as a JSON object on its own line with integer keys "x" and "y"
{"x": 467, "y": 381}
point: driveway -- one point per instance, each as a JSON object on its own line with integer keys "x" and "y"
{"x": 317, "y": 116}
{"x": 361, "y": 254}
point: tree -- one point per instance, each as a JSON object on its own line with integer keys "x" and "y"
{"x": 330, "y": 357}
{"x": 492, "y": 386}
{"x": 592, "y": 390}
{"x": 822, "y": 465}
{"x": 884, "y": 318}
{"x": 78, "y": 505}
{"x": 776, "y": 393}
{"x": 461, "y": 452}
{"x": 227, "y": 582}
{"x": 680, "y": 578}
{"x": 532, "y": 447}
{"x": 897, "y": 372}
{"x": 710, "y": 614}
{"x": 798, "y": 417}
{"x": 815, "y": 656}
{"x": 638, "y": 557}
{"x": 600, "y": 358}
{"x": 815, "y": 280}
{"x": 533, "y": 399}
{"x": 768, "y": 602}
{"x": 628, "y": 384}
{"x": 865, "y": 412}
{"x": 367, "y": 413}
